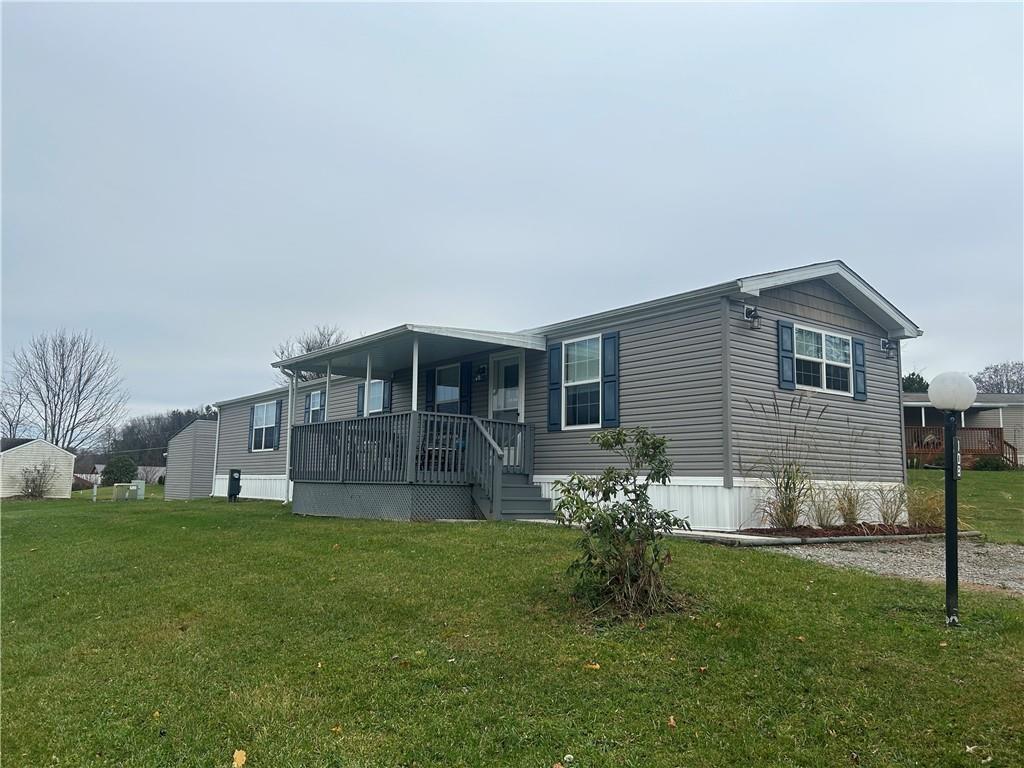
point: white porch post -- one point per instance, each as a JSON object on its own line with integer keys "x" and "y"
{"x": 962, "y": 422}
{"x": 366, "y": 389}
{"x": 327, "y": 390}
{"x": 416, "y": 373}
{"x": 288, "y": 442}
{"x": 1000, "y": 418}
{"x": 922, "y": 416}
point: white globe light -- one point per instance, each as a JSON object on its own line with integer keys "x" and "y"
{"x": 952, "y": 391}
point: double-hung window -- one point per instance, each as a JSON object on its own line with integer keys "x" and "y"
{"x": 446, "y": 390}
{"x": 823, "y": 360}
{"x": 264, "y": 426}
{"x": 376, "y": 396}
{"x": 581, "y": 383}
{"x": 317, "y": 407}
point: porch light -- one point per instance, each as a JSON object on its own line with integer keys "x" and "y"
{"x": 889, "y": 348}
{"x": 953, "y": 393}
{"x": 752, "y": 316}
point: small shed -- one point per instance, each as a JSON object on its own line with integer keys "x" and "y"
{"x": 190, "y": 454}
{"x": 19, "y": 456}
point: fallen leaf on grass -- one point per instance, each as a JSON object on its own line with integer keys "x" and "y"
{"x": 238, "y": 759}
{"x": 336, "y": 729}
{"x": 801, "y": 638}
{"x": 156, "y": 714}
{"x": 702, "y": 670}
{"x": 943, "y": 644}
{"x": 336, "y": 546}
{"x": 557, "y": 765}
{"x": 671, "y": 721}
{"x": 591, "y": 665}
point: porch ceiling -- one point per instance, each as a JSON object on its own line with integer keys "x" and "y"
{"x": 391, "y": 350}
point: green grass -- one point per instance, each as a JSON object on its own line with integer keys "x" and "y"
{"x": 106, "y": 493}
{"x": 171, "y": 634}
{"x": 992, "y": 502}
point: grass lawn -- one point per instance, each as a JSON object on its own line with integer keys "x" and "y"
{"x": 171, "y": 634}
{"x": 992, "y": 502}
{"x": 106, "y": 493}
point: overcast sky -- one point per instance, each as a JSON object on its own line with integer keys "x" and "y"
{"x": 194, "y": 183}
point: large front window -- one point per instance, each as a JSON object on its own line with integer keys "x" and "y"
{"x": 446, "y": 392}
{"x": 581, "y": 382}
{"x": 823, "y": 360}
{"x": 264, "y": 426}
{"x": 376, "y": 396}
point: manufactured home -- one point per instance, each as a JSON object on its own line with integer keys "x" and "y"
{"x": 421, "y": 422}
{"x": 19, "y": 456}
{"x": 189, "y": 472}
{"x": 992, "y": 426}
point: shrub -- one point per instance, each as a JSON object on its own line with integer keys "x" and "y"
{"x": 37, "y": 481}
{"x": 989, "y": 464}
{"x": 891, "y": 501}
{"x": 926, "y": 507}
{"x": 622, "y": 552}
{"x": 120, "y": 469}
{"x": 821, "y": 507}
{"x": 849, "y": 500}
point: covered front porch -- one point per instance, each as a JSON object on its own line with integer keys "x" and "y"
{"x": 438, "y": 428}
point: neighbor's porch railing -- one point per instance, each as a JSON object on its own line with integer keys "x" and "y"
{"x": 414, "y": 447}
{"x": 974, "y": 441}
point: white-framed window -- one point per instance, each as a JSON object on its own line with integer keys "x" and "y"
{"x": 317, "y": 407}
{"x": 581, "y": 383}
{"x": 376, "y": 396}
{"x": 446, "y": 389}
{"x": 264, "y": 426}
{"x": 824, "y": 361}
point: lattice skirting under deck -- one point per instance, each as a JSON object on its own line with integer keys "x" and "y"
{"x": 397, "y": 501}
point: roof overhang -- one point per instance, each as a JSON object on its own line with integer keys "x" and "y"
{"x": 391, "y": 350}
{"x": 847, "y": 282}
{"x": 976, "y": 406}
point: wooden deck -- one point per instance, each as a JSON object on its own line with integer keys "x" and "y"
{"x": 926, "y": 444}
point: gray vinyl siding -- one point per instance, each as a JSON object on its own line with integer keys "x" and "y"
{"x": 857, "y": 440}
{"x": 190, "y": 461}
{"x": 1013, "y": 423}
{"x": 670, "y": 380}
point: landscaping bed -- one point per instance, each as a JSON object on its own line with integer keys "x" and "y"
{"x": 844, "y": 531}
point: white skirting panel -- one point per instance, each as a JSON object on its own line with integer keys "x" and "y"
{"x": 273, "y": 487}
{"x": 708, "y": 505}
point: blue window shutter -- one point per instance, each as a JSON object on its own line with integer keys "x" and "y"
{"x": 277, "y": 425}
{"x": 555, "y": 388}
{"x": 787, "y": 361}
{"x": 860, "y": 376}
{"x": 466, "y": 387}
{"x": 305, "y": 410}
{"x": 252, "y": 416}
{"x": 360, "y": 398}
{"x": 386, "y": 408}
{"x": 610, "y": 379}
{"x": 429, "y": 388}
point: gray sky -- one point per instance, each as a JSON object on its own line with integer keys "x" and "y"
{"x": 194, "y": 183}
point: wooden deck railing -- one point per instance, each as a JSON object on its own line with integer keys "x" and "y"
{"x": 974, "y": 441}
{"x": 414, "y": 447}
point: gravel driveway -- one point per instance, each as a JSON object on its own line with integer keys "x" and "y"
{"x": 992, "y": 565}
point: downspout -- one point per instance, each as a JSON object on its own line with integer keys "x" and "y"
{"x": 216, "y": 454}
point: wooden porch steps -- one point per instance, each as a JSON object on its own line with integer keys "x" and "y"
{"x": 522, "y": 500}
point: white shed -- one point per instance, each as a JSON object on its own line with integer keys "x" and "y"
{"x": 20, "y": 455}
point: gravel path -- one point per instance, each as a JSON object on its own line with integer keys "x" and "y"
{"x": 992, "y": 565}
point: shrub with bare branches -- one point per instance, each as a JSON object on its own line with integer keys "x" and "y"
{"x": 849, "y": 500}
{"x": 37, "y": 481}
{"x": 891, "y": 501}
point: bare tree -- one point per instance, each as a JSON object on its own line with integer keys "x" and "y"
{"x": 14, "y": 417}
{"x": 1001, "y": 378}
{"x": 321, "y": 337}
{"x": 72, "y": 385}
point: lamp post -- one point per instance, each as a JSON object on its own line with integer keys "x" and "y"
{"x": 952, "y": 393}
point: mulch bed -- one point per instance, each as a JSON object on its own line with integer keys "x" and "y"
{"x": 866, "y": 529}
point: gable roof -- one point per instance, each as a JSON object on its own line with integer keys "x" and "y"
{"x": 839, "y": 276}
{"x": 9, "y": 444}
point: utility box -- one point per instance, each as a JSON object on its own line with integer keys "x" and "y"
{"x": 137, "y": 490}
{"x": 234, "y": 484}
{"x": 120, "y": 491}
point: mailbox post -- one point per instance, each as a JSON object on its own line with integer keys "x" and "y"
{"x": 952, "y": 393}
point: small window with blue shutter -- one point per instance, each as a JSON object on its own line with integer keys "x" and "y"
{"x": 583, "y": 383}
{"x": 315, "y": 410}
{"x": 821, "y": 360}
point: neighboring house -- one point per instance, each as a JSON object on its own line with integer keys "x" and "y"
{"x": 993, "y": 426}
{"x": 18, "y": 455}
{"x": 150, "y": 474}
{"x": 190, "y": 453}
{"x": 419, "y": 422}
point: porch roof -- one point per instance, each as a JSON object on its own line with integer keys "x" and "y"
{"x": 391, "y": 350}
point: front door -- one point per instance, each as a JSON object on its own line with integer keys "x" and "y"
{"x": 506, "y": 401}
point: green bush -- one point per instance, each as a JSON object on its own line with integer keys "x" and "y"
{"x": 989, "y": 464}
{"x": 120, "y": 469}
{"x": 622, "y": 553}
